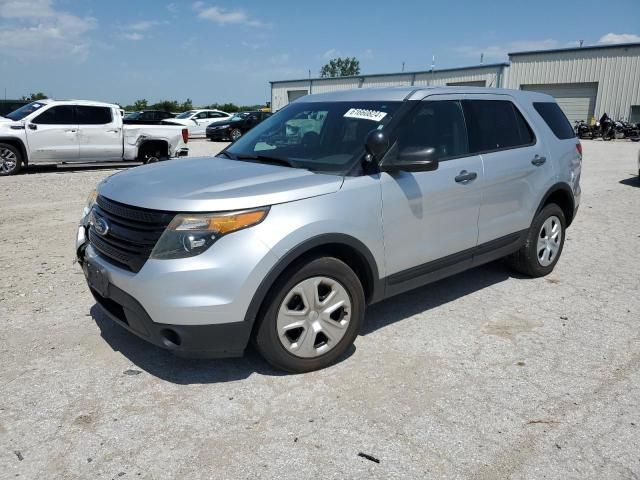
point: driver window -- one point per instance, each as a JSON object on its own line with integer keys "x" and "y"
{"x": 434, "y": 124}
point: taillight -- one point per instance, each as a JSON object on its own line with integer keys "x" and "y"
{"x": 579, "y": 148}
{"x": 185, "y": 135}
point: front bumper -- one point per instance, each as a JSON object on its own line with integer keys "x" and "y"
{"x": 194, "y": 307}
{"x": 193, "y": 341}
{"x": 217, "y": 134}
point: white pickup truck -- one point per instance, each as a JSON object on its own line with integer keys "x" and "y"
{"x": 47, "y": 131}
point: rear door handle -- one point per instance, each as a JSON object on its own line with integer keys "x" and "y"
{"x": 116, "y": 130}
{"x": 465, "y": 177}
{"x": 538, "y": 160}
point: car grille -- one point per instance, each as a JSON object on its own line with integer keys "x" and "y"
{"x": 132, "y": 233}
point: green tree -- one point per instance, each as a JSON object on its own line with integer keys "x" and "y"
{"x": 166, "y": 105}
{"x": 341, "y": 67}
{"x": 141, "y": 104}
{"x": 186, "y": 105}
{"x": 34, "y": 96}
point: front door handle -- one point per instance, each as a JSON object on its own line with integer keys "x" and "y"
{"x": 538, "y": 160}
{"x": 466, "y": 177}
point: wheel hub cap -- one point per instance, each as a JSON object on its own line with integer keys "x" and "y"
{"x": 549, "y": 241}
{"x": 313, "y": 317}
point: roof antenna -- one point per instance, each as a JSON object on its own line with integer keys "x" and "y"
{"x": 581, "y": 42}
{"x": 481, "y": 58}
{"x": 403, "y": 66}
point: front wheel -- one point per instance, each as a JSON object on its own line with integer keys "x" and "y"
{"x": 10, "y": 160}
{"x": 545, "y": 240}
{"x": 312, "y": 316}
{"x": 235, "y": 134}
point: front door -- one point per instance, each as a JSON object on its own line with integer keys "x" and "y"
{"x": 431, "y": 218}
{"x": 100, "y": 134}
{"x": 52, "y": 136}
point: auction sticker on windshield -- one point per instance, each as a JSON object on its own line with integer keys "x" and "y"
{"x": 364, "y": 114}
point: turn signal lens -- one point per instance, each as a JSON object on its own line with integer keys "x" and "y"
{"x": 91, "y": 201}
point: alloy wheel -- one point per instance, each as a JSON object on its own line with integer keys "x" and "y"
{"x": 549, "y": 241}
{"x": 9, "y": 160}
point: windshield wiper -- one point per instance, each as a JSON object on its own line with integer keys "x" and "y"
{"x": 268, "y": 159}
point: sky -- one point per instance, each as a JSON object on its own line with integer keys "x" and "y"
{"x": 228, "y": 51}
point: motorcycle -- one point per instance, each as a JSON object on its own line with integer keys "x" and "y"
{"x": 607, "y": 128}
{"x": 582, "y": 129}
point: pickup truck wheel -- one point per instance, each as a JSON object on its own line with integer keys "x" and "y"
{"x": 10, "y": 160}
{"x": 544, "y": 243}
{"x": 312, "y": 316}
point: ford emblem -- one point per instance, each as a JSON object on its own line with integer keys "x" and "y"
{"x": 101, "y": 225}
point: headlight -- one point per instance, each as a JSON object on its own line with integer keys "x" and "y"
{"x": 190, "y": 234}
{"x": 91, "y": 201}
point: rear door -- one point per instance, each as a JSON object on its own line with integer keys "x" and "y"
{"x": 53, "y": 135}
{"x": 100, "y": 134}
{"x": 515, "y": 164}
{"x": 431, "y": 218}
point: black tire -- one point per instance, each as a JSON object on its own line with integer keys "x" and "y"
{"x": 9, "y": 168}
{"x": 526, "y": 259}
{"x": 235, "y": 134}
{"x": 266, "y": 337}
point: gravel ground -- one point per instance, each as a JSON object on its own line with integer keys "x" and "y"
{"x": 484, "y": 375}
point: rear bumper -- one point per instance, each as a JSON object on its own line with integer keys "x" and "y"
{"x": 193, "y": 341}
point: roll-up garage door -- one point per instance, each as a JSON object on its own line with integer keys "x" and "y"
{"x": 577, "y": 100}
{"x": 477, "y": 83}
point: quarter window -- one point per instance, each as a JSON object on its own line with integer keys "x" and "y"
{"x": 93, "y": 115}
{"x": 433, "y": 124}
{"x": 495, "y": 125}
{"x": 60, "y": 115}
{"x": 555, "y": 119}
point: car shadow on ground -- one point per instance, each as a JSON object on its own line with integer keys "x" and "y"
{"x": 633, "y": 181}
{"x": 80, "y": 167}
{"x": 165, "y": 365}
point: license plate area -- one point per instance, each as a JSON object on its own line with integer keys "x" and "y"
{"x": 96, "y": 278}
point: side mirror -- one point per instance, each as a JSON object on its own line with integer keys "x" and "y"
{"x": 377, "y": 143}
{"x": 414, "y": 159}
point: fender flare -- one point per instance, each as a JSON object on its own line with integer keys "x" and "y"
{"x": 377, "y": 287}
{"x": 21, "y": 146}
{"x": 556, "y": 187}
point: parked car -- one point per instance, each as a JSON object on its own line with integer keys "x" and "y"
{"x": 147, "y": 117}
{"x": 288, "y": 233}
{"x": 49, "y": 131}
{"x": 198, "y": 120}
{"x": 235, "y": 126}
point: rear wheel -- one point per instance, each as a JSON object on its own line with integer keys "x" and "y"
{"x": 540, "y": 253}
{"x": 313, "y": 315}
{"x": 10, "y": 160}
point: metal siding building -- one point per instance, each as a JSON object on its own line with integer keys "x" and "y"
{"x": 586, "y": 82}
{"x": 284, "y": 92}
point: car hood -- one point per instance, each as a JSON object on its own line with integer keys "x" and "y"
{"x": 178, "y": 121}
{"x": 211, "y": 184}
{"x": 5, "y": 120}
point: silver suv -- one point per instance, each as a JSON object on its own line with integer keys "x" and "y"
{"x": 335, "y": 202}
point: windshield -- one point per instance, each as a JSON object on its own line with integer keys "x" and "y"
{"x": 319, "y": 136}
{"x": 22, "y": 112}
{"x": 186, "y": 114}
{"x": 132, "y": 116}
{"x": 240, "y": 116}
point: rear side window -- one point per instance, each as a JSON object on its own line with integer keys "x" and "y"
{"x": 93, "y": 115}
{"x": 60, "y": 115}
{"x": 495, "y": 125}
{"x": 555, "y": 118}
